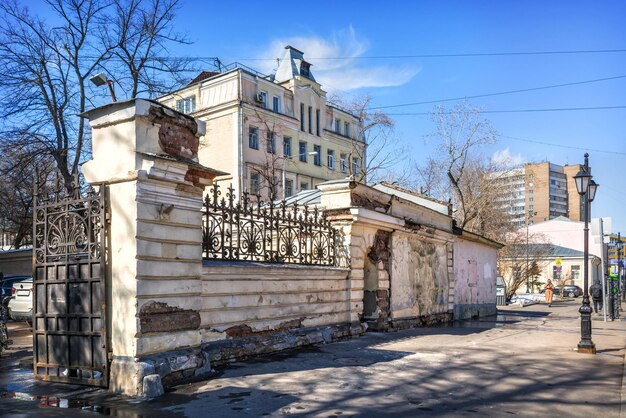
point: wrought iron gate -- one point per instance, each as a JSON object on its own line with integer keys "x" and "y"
{"x": 69, "y": 305}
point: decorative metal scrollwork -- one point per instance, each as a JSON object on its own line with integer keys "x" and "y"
{"x": 68, "y": 221}
{"x": 239, "y": 229}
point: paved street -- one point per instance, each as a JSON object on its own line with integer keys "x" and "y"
{"x": 523, "y": 363}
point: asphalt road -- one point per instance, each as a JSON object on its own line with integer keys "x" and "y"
{"x": 521, "y": 363}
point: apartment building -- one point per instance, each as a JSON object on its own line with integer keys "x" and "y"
{"x": 275, "y": 135}
{"x": 612, "y": 252}
{"x": 539, "y": 192}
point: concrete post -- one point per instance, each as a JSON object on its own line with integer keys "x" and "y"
{"x": 147, "y": 155}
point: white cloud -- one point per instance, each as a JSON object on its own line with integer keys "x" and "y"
{"x": 340, "y": 74}
{"x": 504, "y": 158}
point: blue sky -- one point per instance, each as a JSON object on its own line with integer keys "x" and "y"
{"x": 233, "y": 31}
{"x": 254, "y": 33}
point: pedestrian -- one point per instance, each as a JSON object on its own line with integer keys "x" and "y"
{"x": 596, "y": 295}
{"x": 549, "y": 292}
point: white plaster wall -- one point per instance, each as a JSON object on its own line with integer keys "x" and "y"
{"x": 266, "y": 296}
{"x": 568, "y": 234}
{"x": 475, "y": 273}
{"x": 419, "y": 276}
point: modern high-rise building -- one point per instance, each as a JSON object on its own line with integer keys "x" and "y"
{"x": 539, "y": 192}
{"x": 274, "y": 134}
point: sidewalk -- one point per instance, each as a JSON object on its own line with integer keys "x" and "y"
{"x": 521, "y": 363}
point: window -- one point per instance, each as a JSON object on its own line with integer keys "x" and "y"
{"x": 531, "y": 199}
{"x": 263, "y": 97}
{"x": 337, "y": 126}
{"x": 288, "y": 187}
{"x": 331, "y": 159}
{"x": 531, "y": 184}
{"x": 346, "y": 129}
{"x": 276, "y": 104}
{"x": 302, "y": 151}
{"x": 344, "y": 162}
{"x": 287, "y": 146}
{"x": 310, "y": 120}
{"x": 186, "y": 105}
{"x": 355, "y": 166}
{"x": 305, "y": 69}
{"x": 317, "y": 158}
{"x": 531, "y": 176}
{"x": 575, "y": 272}
{"x": 304, "y": 186}
{"x": 302, "y": 117}
{"x": 531, "y": 191}
{"x": 255, "y": 183}
{"x": 317, "y": 122}
{"x": 253, "y": 137}
{"x": 271, "y": 143}
{"x": 531, "y": 207}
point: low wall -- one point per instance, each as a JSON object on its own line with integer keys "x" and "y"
{"x": 242, "y": 298}
{"x": 16, "y": 262}
{"x": 249, "y": 309}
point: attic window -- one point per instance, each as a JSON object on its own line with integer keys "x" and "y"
{"x": 305, "y": 69}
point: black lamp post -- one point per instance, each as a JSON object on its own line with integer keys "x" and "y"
{"x": 620, "y": 246}
{"x": 587, "y": 189}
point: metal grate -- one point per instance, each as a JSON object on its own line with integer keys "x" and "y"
{"x": 242, "y": 230}
{"x": 69, "y": 319}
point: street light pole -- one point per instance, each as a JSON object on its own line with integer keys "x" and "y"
{"x": 527, "y": 270}
{"x": 587, "y": 189}
{"x": 619, "y": 246}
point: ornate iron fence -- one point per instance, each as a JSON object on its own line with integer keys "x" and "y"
{"x": 240, "y": 229}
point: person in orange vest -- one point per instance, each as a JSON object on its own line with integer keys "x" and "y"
{"x": 549, "y": 292}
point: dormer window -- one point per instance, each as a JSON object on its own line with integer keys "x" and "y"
{"x": 305, "y": 69}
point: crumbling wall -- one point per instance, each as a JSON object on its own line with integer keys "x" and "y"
{"x": 420, "y": 279}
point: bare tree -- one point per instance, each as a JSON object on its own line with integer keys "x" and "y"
{"x": 21, "y": 171}
{"x": 270, "y": 169}
{"x": 45, "y": 70}
{"x": 375, "y": 145}
{"x": 459, "y": 133}
{"x": 522, "y": 259}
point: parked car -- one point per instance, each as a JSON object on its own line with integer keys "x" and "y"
{"x": 6, "y": 284}
{"x": 571, "y": 291}
{"x": 21, "y": 305}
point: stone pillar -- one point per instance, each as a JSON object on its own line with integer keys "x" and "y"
{"x": 147, "y": 155}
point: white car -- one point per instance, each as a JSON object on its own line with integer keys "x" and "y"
{"x": 21, "y": 304}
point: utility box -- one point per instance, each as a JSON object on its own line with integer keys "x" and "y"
{"x": 500, "y": 291}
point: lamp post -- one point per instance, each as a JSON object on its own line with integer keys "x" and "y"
{"x": 529, "y": 214}
{"x": 620, "y": 246}
{"x": 586, "y": 187}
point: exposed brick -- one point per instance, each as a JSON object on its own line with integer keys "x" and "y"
{"x": 160, "y": 317}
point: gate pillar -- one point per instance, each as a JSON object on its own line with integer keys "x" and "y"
{"x": 147, "y": 155}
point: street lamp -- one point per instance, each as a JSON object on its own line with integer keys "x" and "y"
{"x": 620, "y": 246}
{"x": 101, "y": 79}
{"x": 587, "y": 188}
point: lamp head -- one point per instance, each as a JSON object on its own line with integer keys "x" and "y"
{"x": 582, "y": 181}
{"x": 593, "y": 187}
{"x": 99, "y": 79}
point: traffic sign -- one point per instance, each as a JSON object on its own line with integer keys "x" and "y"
{"x": 558, "y": 262}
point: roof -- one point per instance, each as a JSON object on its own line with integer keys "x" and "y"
{"x": 551, "y": 250}
{"x": 203, "y": 76}
{"x": 412, "y": 196}
{"x": 305, "y": 197}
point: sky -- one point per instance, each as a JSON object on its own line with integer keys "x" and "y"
{"x": 372, "y": 40}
